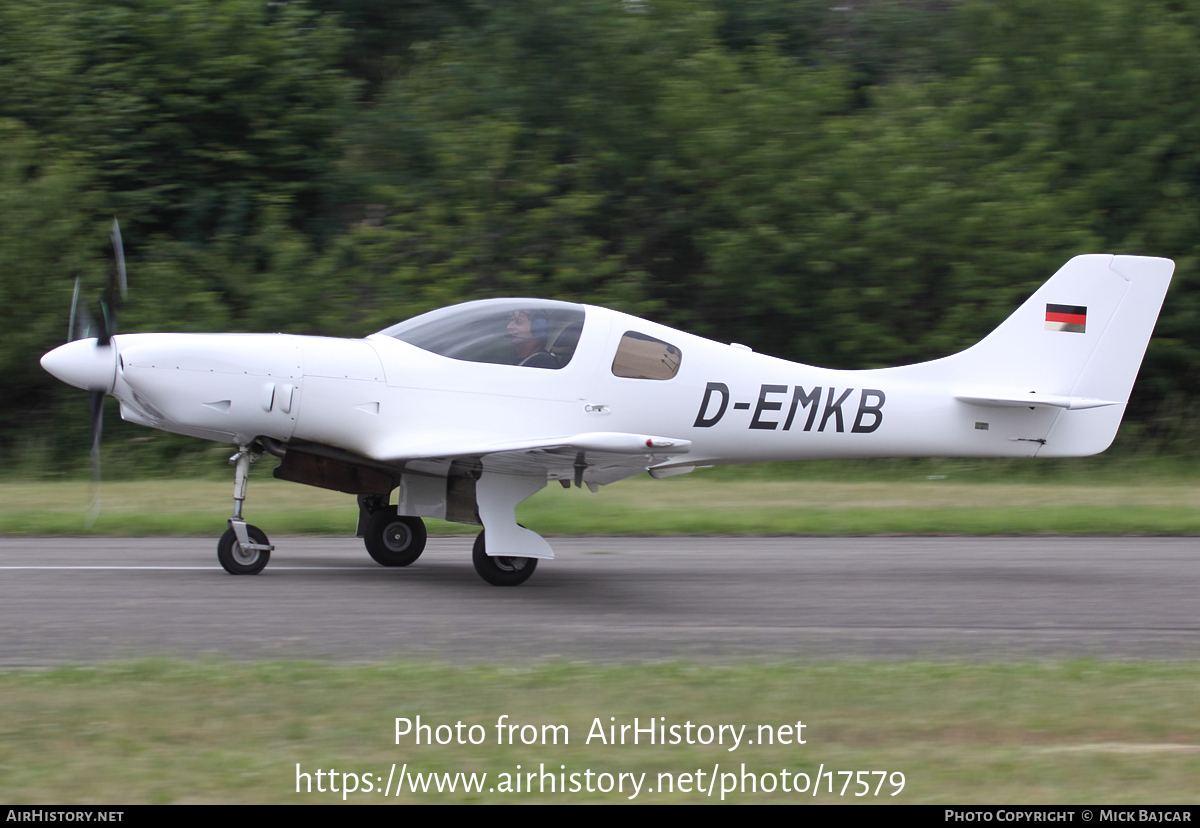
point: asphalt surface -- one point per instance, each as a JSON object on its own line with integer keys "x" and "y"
{"x": 611, "y": 599}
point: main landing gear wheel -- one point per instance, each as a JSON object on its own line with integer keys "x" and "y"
{"x": 500, "y": 570}
{"x": 239, "y": 561}
{"x": 394, "y": 540}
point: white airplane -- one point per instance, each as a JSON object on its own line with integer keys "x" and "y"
{"x": 462, "y": 413}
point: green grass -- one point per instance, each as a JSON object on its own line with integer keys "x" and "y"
{"x": 164, "y": 731}
{"x": 898, "y": 498}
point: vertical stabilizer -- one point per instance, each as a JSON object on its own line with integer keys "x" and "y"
{"x": 1075, "y": 345}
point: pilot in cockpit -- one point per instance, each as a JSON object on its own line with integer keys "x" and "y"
{"x": 528, "y": 331}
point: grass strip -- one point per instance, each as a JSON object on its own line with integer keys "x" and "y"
{"x": 693, "y": 505}
{"x": 164, "y": 731}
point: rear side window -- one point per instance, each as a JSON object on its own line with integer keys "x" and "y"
{"x": 644, "y": 357}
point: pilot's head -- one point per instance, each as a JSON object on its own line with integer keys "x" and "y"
{"x": 527, "y": 330}
{"x": 528, "y": 325}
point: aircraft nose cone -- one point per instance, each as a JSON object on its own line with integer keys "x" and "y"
{"x": 83, "y": 364}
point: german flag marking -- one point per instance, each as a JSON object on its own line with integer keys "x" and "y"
{"x": 1070, "y": 318}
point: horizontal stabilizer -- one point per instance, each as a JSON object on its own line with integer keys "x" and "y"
{"x": 1032, "y": 400}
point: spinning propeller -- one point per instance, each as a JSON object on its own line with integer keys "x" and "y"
{"x": 96, "y": 376}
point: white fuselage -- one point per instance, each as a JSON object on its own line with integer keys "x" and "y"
{"x": 382, "y": 398}
{"x": 1035, "y": 386}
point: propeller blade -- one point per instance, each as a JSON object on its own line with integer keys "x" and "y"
{"x": 106, "y": 325}
{"x": 83, "y": 326}
{"x": 86, "y": 323}
{"x": 74, "y": 304}
{"x": 114, "y": 293}
{"x": 96, "y": 413}
{"x": 119, "y": 253}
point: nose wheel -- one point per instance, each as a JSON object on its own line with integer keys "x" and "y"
{"x": 243, "y": 549}
{"x": 248, "y": 559}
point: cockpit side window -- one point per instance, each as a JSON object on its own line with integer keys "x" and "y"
{"x": 644, "y": 357}
{"x": 534, "y": 333}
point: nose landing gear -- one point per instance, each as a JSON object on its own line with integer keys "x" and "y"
{"x": 243, "y": 549}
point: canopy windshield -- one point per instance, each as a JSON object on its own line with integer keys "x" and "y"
{"x": 536, "y": 333}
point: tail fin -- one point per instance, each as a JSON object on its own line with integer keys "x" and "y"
{"x": 1076, "y": 345}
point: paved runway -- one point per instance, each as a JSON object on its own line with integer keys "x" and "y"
{"x": 613, "y": 599}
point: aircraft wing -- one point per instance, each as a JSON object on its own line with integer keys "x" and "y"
{"x": 605, "y": 456}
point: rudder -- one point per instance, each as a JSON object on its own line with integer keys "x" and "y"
{"x": 1114, "y": 362}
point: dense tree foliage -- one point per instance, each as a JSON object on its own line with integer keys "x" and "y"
{"x": 843, "y": 185}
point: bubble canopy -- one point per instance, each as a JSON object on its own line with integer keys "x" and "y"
{"x": 536, "y": 333}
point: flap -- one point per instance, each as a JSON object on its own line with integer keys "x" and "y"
{"x": 598, "y": 457}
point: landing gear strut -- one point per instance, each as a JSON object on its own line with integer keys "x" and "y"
{"x": 243, "y": 549}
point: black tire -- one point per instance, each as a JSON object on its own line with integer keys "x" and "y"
{"x": 239, "y": 562}
{"x": 394, "y": 540}
{"x": 500, "y": 570}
